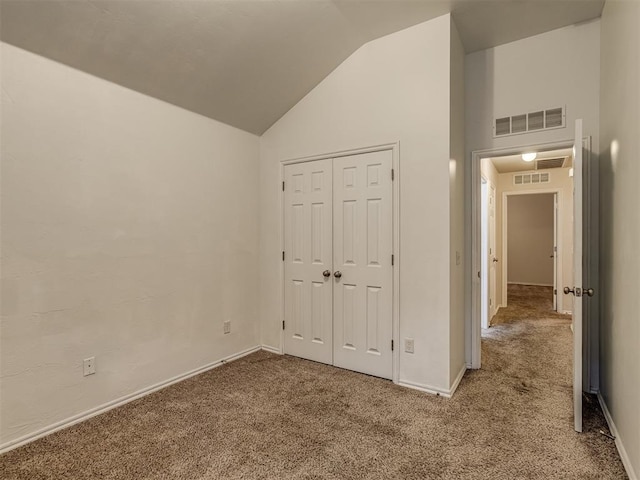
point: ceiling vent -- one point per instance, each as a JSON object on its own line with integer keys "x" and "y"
{"x": 545, "y": 163}
{"x": 529, "y": 122}
{"x": 531, "y": 178}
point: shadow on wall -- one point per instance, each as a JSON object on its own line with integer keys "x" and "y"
{"x": 606, "y": 161}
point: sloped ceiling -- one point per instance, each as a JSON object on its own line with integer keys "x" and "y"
{"x": 246, "y": 62}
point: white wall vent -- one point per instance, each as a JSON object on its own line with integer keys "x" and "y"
{"x": 531, "y": 178}
{"x": 529, "y": 122}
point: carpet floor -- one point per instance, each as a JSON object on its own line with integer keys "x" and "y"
{"x": 277, "y": 417}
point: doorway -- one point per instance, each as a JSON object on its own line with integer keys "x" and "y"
{"x": 526, "y": 179}
{"x": 530, "y": 250}
{"x": 339, "y": 261}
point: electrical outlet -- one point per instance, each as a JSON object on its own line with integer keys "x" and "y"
{"x": 89, "y": 366}
{"x": 227, "y": 326}
{"x": 408, "y": 345}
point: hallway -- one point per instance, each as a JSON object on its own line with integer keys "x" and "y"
{"x": 528, "y": 350}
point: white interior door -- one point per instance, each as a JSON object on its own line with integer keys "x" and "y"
{"x": 363, "y": 276}
{"x": 577, "y": 276}
{"x": 493, "y": 259}
{"x": 484, "y": 255}
{"x": 308, "y": 260}
{"x": 554, "y": 253}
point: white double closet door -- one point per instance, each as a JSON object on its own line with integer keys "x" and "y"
{"x": 338, "y": 240}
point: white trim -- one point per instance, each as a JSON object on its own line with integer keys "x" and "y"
{"x": 614, "y": 431}
{"x": 530, "y": 283}
{"x": 105, "y": 407}
{"x": 268, "y": 348}
{"x": 458, "y": 379}
{"x": 443, "y": 392}
{"x": 395, "y": 164}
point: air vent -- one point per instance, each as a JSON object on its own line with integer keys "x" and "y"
{"x": 529, "y": 122}
{"x": 531, "y": 178}
{"x": 554, "y": 118}
{"x": 503, "y": 126}
{"x": 535, "y": 121}
{"x": 550, "y": 163}
{"x": 519, "y": 124}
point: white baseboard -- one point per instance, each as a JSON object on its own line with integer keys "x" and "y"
{"x": 458, "y": 379}
{"x": 529, "y": 283}
{"x": 443, "y": 392}
{"x": 614, "y": 431}
{"x": 81, "y": 417}
{"x": 268, "y": 348}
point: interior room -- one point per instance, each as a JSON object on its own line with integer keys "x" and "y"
{"x": 301, "y": 240}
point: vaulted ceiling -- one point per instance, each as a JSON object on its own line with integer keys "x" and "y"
{"x": 246, "y": 62}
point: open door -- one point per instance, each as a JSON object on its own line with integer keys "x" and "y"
{"x": 578, "y": 290}
{"x": 493, "y": 259}
{"x": 554, "y": 254}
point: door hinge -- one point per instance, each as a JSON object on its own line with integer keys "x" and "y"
{"x": 392, "y": 345}
{"x": 283, "y": 324}
{"x": 283, "y": 186}
{"x": 393, "y": 174}
{"x": 555, "y": 291}
{"x": 478, "y": 273}
{"x": 283, "y": 255}
{"x": 393, "y": 260}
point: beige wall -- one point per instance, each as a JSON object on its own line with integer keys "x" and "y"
{"x": 530, "y": 239}
{"x": 456, "y": 202}
{"x": 129, "y": 233}
{"x": 394, "y": 89}
{"x": 562, "y": 182}
{"x": 620, "y": 224}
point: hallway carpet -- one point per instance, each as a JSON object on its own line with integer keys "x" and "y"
{"x": 278, "y": 417}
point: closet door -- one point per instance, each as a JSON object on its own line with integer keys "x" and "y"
{"x": 308, "y": 258}
{"x": 363, "y": 274}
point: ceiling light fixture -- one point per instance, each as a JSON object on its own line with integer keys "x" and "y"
{"x": 529, "y": 157}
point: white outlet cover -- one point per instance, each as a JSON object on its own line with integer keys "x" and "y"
{"x": 89, "y": 366}
{"x": 408, "y": 345}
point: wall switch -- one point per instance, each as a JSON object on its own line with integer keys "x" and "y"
{"x": 227, "y": 326}
{"x": 408, "y": 345}
{"x": 89, "y": 366}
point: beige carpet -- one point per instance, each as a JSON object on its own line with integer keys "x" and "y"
{"x": 275, "y": 417}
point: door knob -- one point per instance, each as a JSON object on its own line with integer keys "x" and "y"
{"x": 568, "y": 290}
{"x": 326, "y": 274}
{"x": 337, "y": 274}
{"x": 495, "y": 260}
{"x": 589, "y": 292}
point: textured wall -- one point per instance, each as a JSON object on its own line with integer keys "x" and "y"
{"x": 620, "y": 223}
{"x": 129, "y": 233}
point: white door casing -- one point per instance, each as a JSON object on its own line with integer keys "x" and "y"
{"x": 363, "y": 247}
{"x": 307, "y": 243}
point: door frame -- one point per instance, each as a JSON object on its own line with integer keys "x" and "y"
{"x": 395, "y": 185}
{"x": 474, "y": 330}
{"x": 557, "y": 234}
